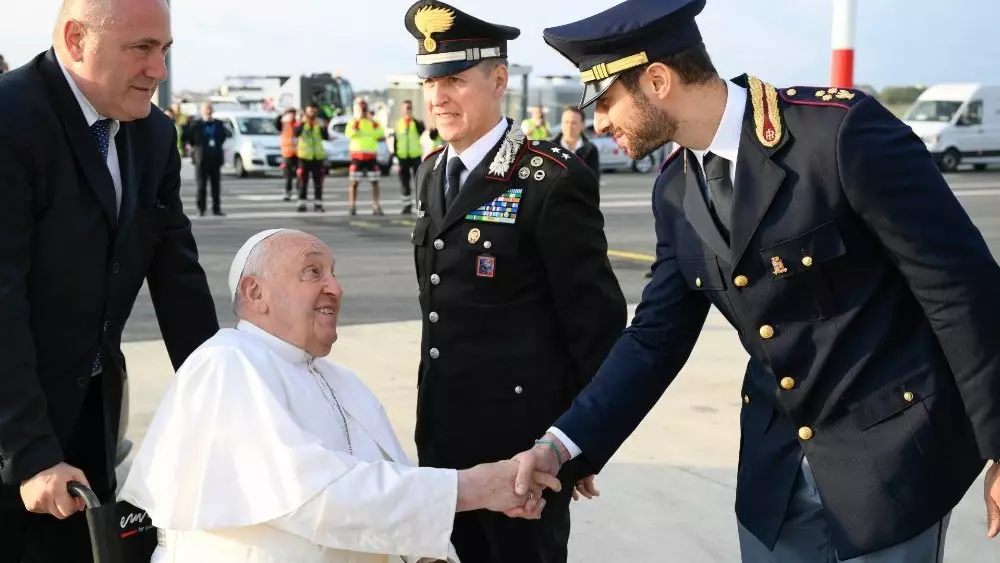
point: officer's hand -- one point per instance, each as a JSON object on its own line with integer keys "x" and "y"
{"x": 586, "y": 488}
{"x": 47, "y": 492}
{"x": 992, "y": 497}
{"x": 539, "y": 458}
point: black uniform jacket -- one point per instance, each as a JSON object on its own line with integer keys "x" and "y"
{"x": 70, "y": 270}
{"x": 520, "y": 304}
{"x": 869, "y": 305}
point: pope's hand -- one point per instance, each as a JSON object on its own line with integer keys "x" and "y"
{"x": 491, "y": 486}
{"x": 992, "y": 497}
{"x": 47, "y": 492}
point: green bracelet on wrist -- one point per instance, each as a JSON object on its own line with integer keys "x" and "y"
{"x": 553, "y": 447}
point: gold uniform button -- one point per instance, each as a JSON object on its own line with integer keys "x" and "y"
{"x": 791, "y": 91}
{"x": 741, "y": 281}
{"x": 697, "y": 282}
{"x": 766, "y": 331}
{"x": 807, "y": 261}
{"x": 908, "y": 396}
{"x": 746, "y": 399}
{"x": 805, "y": 433}
{"x": 787, "y": 383}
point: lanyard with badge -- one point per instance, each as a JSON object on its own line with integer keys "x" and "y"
{"x": 210, "y": 132}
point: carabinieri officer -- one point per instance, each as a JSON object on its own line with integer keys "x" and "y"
{"x": 868, "y": 302}
{"x": 520, "y": 304}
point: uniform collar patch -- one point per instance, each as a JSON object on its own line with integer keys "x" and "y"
{"x": 509, "y": 149}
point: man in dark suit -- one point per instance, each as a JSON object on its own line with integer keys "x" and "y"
{"x": 571, "y": 138}
{"x": 206, "y": 137}
{"x": 89, "y": 177}
{"x": 817, "y": 223}
{"x": 520, "y": 303}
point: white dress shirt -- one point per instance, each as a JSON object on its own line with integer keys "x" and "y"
{"x": 91, "y": 115}
{"x": 725, "y": 143}
{"x": 476, "y": 152}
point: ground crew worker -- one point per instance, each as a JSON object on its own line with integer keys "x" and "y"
{"x": 286, "y": 124}
{"x": 430, "y": 141}
{"x": 312, "y": 156}
{"x": 535, "y": 128}
{"x": 364, "y": 134}
{"x": 178, "y": 129}
{"x": 181, "y": 122}
{"x": 408, "y": 151}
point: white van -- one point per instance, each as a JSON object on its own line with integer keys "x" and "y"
{"x": 254, "y": 143}
{"x": 960, "y": 123}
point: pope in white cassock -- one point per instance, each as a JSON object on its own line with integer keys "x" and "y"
{"x": 263, "y": 451}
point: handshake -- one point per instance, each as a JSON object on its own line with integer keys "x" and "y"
{"x": 515, "y": 486}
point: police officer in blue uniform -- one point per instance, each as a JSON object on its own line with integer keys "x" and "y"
{"x": 868, "y": 302}
{"x": 519, "y": 302}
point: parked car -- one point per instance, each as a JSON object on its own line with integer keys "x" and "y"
{"x": 615, "y": 159}
{"x": 338, "y": 155}
{"x": 254, "y": 144}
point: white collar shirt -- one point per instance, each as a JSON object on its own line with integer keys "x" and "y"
{"x": 91, "y": 115}
{"x": 726, "y": 142}
{"x": 477, "y": 151}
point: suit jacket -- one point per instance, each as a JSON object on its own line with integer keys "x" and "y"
{"x": 869, "y": 305}
{"x": 200, "y": 138}
{"x": 587, "y": 152}
{"x": 70, "y": 270}
{"x": 519, "y": 300}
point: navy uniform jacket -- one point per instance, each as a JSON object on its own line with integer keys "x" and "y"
{"x": 519, "y": 311}
{"x": 869, "y": 305}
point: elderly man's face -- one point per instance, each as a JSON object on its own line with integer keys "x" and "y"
{"x": 301, "y": 293}
{"x": 120, "y": 66}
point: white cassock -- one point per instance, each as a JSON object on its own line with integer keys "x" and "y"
{"x": 247, "y": 461}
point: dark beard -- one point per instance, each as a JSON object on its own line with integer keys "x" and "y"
{"x": 654, "y": 128}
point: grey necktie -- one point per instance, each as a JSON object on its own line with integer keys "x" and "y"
{"x": 720, "y": 189}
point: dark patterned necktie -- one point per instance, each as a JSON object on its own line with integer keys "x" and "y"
{"x": 101, "y": 130}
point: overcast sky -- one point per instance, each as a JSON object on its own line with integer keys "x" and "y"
{"x": 786, "y": 42}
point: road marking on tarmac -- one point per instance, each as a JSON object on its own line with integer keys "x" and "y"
{"x": 626, "y": 255}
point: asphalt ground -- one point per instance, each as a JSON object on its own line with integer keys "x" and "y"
{"x": 375, "y": 258}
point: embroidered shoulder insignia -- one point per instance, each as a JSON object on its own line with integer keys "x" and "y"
{"x": 766, "y": 116}
{"x": 509, "y": 150}
{"x": 813, "y": 96}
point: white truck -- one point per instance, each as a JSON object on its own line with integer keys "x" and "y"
{"x": 959, "y": 123}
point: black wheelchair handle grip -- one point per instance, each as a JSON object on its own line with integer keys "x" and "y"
{"x": 79, "y": 490}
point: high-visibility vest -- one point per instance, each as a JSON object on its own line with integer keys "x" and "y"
{"x": 289, "y": 147}
{"x": 539, "y": 134}
{"x": 364, "y": 134}
{"x": 407, "y": 138}
{"x": 310, "y": 145}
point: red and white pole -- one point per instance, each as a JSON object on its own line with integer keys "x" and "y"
{"x": 842, "y": 71}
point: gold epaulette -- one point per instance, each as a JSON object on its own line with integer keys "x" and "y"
{"x": 814, "y": 96}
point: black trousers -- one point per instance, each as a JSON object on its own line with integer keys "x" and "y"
{"x": 407, "y": 169}
{"x": 207, "y": 171}
{"x": 483, "y": 536}
{"x": 26, "y": 537}
{"x": 291, "y": 173}
{"x": 307, "y": 168}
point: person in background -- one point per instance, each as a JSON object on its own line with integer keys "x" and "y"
{"x": 408, "y": 151}
{"x": 90, "y": 212}
{"x": 311, "y": 154}
{"x": 3, "y": 65}
{"x": 572, "y": 138}
{"x": 206, "y": 137}
{"x": 535, "y": 127}
{"x": 286, "y": 123}
{"x": 430, "y": 141}
{"x": 364, "y": 134}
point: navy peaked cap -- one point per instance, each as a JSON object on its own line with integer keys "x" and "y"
{"x": 625, "y": 36}
{"x": 450, "y": 41}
